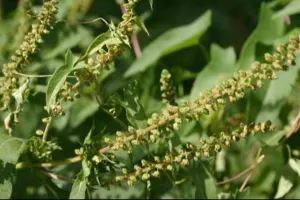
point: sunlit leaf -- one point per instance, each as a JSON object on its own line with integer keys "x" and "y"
{"x": 79, "y": 187}
{"x": 284, "y": 187}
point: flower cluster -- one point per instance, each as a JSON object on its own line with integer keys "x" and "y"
{"x": 183, "y": 157}
{"x": 230, "y": 90}
{"x": 166, "y": 87}
{"x": 121, "y": 33}
{"x": 10, "y": 83}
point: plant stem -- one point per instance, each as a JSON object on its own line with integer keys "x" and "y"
{"x": 36, "y": 76}
{"x": 56, "y": 177}
{"x": 47, "y": 129}
{"x": 22, "y": 165}
{"x": 259, "y": 160}
{"x": 134, "y": 38}
{"x": 294, "y": 127}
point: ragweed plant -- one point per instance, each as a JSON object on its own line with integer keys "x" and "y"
{"x": 128, "y": 143}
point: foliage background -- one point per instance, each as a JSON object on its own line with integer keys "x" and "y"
{"x": 233, "y": 40}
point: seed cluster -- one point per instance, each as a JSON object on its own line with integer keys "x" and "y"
{"x": 170, "y": 119}
{"x": 124, "y": 29}
{"x": 166, "y": 87}
{"x": 204, "y": 149}
{"x": 10, "y": 83}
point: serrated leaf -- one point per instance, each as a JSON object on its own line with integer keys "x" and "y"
{"x": 220, "y": 67}
{"x": 284, "y": 187}
{"x": 290, "y": 9}
{"x": 10, "y": 151}
{"x": 295, "y": 165}
{"x": 204, "y": 181}
{"x": 57, "y": 80}
{"x": 169, "y": 42}
{"x": 79, "y": 187}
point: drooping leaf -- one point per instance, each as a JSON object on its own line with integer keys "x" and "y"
{"x": 290, "y": 9}
{"x": 79, "y": 187}
{"x": 221, "y": 67}
{"x": 204, "y": 181}
{"x": 10, "y": 151}
{"x": 169, "y": 42}
{"x": 57, "y": 80}
{"x": 19, "y": 95}
{"x": 284, "y": 187}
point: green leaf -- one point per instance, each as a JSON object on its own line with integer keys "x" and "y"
{"x": 10, "y": 151}
{"x": 220, "y": 67}
{"x": 151, "y": 4}
{"x": 130, "y": 101}
{"x": 284, "y": 187}
{"x": 205, "y": 182}
{"x": 99, "y": 42}
{"x": 266, "y": 32}
{"x": 57, "y": 80}
{"x": 290, "y": 9}
{"x": 169, "y": 42}
{"x": 141, "y": 24}
{"x": 80, "y": 112}
{"x": 278, "y": 90}
{"x": 295, "y": 165}
{"x": 242, "y": 195}
{"x": 79, "y": 187}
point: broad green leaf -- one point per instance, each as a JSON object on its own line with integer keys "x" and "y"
{"x": 10, "y": 151}
{"x": 290, "y": 9}
{"x": 221, "y": 67}
{"x": 205, "y": 182}
{"x": 295, "y": 165}
{"x": 57, "y": 80}
{"x": 266, "y": 32}
{"x": 79, "y": 187}
{"x": 169, "y": 42}
{"x": 284, "y": 187}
